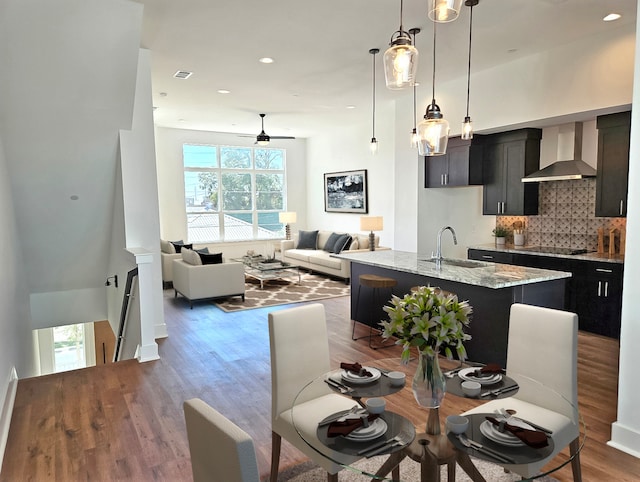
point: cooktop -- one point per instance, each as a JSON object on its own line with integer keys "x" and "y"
{"x": 555, "y": 250}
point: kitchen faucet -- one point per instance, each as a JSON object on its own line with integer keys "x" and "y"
{"x": 438, "y": 256}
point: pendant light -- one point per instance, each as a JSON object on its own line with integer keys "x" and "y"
{"x": 443, "y": 11}
{"x": 433, "y": 130}
{"x": 400, "y": 59}
{"x": 414, "y": 132}
{"x": 374, "y": 142}
{"x": 467, "y": 126}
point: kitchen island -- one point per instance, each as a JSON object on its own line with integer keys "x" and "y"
{"x": 490, "y": 288}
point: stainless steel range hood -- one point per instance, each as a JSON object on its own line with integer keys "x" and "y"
{"x": 568, "y": 166}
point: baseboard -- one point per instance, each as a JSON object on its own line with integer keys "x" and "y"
{"x": 7, "y": 411}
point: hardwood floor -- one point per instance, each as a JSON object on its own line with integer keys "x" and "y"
{"x": 125, "y": 421}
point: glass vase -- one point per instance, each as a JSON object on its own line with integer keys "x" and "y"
{"x": 429, "y": 382}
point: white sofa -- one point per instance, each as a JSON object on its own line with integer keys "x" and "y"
{"x": 198, "y": 282}
{"x": 321, "y": 261}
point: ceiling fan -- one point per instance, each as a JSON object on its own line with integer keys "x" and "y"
{"x": 263, "y": 139}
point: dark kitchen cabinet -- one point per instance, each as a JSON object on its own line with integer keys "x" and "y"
{"x": 598, "y": 297}
{"x": 614, "y": 133}
{"x": 491, "y": 256}
{"x": 594, "y": 290}
{"x": 460, "y": 166}
{"x": 507, "y": 158}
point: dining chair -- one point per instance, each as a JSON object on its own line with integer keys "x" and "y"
{"x": 543, "y": 348}
{"x": 220, "y": 450}
{"x": 299, "y": 354}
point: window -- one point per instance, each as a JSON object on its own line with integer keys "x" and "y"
{"x": 233, "y": 193}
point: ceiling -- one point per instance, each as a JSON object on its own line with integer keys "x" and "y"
{"x": 321, "y": 52}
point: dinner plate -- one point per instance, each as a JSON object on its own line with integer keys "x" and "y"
{"x": 364, "y": 434}
{"x": 357, "y": 379}
{"x": 466, "y": 374}
{"x": 504, "y": 438}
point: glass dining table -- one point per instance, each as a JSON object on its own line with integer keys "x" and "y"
{"x": 405, "y": 429}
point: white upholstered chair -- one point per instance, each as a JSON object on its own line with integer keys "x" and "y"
{"x": 220, "y": 450}
{"x": 300, "y": 354}
{"x": 197, "y": 282}
{"x": 543, "y": 347}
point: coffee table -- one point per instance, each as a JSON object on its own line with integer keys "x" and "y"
{"x": 259, "y": 268}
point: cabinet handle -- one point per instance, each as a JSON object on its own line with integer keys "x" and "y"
{"x": 604, "y": 270}
{"x": 442, "y": 179}
{"x": 621, "y": 206}
{"x": 503, "y": 208}
{"x": 446, "y": 180}
{"x": 599, "y": 288}
{"x": 486, "y": 256}
{"x": 606, "y": 289}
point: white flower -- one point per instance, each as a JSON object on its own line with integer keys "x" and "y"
{"x": 428, "y": 319}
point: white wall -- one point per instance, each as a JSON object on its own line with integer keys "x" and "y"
{"x": 173, "y": 221}
{"x": 345, "y": 147}
{"x": 625, "y": 433}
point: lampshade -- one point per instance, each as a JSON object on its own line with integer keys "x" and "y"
{"x": 443, "y": 11}
{"x": 433, "y": 133}
{"x": 371, "y": 223}
{"x": 400, "y": 59}
{"x": 287, "y": 217}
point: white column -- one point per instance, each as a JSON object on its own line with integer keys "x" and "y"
{"x": 148, "y": 349}
{"x": 625, "y": 432}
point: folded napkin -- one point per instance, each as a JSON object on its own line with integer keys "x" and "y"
{"x": 488, "y": 369}
{"x": 348, "y": 426}
{"x": 356, "y": 368}
{"x": 532, "y": 438}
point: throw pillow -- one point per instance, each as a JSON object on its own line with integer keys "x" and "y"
{"x": 190, "y": 257}
{"x": 214, "y": 258}
{"x": 342, "y": 243}
{"x": 354, "y": 244}
{"x": 331, "y": 242}
{"x": 204, "y": 250}
{"x": 166, "y": 247}
{"x": 178, "y": 245}
{"x": 307, "y": 240}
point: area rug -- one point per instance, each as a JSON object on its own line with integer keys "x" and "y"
{"x": 409, "y": 472}
{"x": 280, "y": 292}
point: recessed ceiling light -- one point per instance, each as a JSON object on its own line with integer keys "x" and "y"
{"x": 266, "y": 60}
{"x": 163, "y": 94}
{"x": 512, "y": 51}
{"x": 74, "y": 197}
{"x": 351, "y": 107}
{"x": 611, "y": 17}
{"x": 224, "y": 91}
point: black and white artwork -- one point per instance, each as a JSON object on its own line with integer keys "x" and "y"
{"x": 346, "y": 192}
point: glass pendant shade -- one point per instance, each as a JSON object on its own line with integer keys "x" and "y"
{"x": 443, "y": 11}
{"x": 467, "y": 129}
{"x": 433, "y": 133}
{"x": 373, "y": 146}
{"x": 414, "y": 137}
{"x": 400, "y": 64}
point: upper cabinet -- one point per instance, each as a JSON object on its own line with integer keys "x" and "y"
{"x": 507, "y": 158}
{"x": 460, "y": 166}
{"x": 614, "y": 133}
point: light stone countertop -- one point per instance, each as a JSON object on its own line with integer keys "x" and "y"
{"x": 488, "y": 275}
{"x": 593, "y": 256}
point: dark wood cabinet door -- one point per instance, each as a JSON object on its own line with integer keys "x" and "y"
{"x": 490, "y": 256}
{"x": 435, "y": 170}
{"x": 614, "y": 132}
{"x": 493, "y": 179}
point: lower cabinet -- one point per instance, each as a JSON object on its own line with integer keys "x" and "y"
{"x": 594, "y": 291}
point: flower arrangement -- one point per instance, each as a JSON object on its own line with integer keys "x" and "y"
{"x": 500, "y": 232}
{"x": 427, "y": 319}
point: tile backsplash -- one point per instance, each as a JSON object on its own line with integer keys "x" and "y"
{"x": 566, "y": 217}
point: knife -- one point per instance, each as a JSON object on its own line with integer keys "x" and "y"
{"x": 499, "y": 391}
{"x": 342, "y": 388}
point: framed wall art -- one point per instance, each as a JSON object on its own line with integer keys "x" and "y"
{"x": 346, "y": 192}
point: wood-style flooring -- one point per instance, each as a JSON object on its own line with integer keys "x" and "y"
{"x": 125, "y": 421}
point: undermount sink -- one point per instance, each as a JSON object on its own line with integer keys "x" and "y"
{"x": 461, "y": 263}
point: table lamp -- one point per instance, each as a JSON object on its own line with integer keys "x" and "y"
{"x": 371, "y": 223}
{"x": 286, "y": 218}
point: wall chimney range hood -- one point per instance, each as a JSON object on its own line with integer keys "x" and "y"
{"x": 567, "y": 167}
